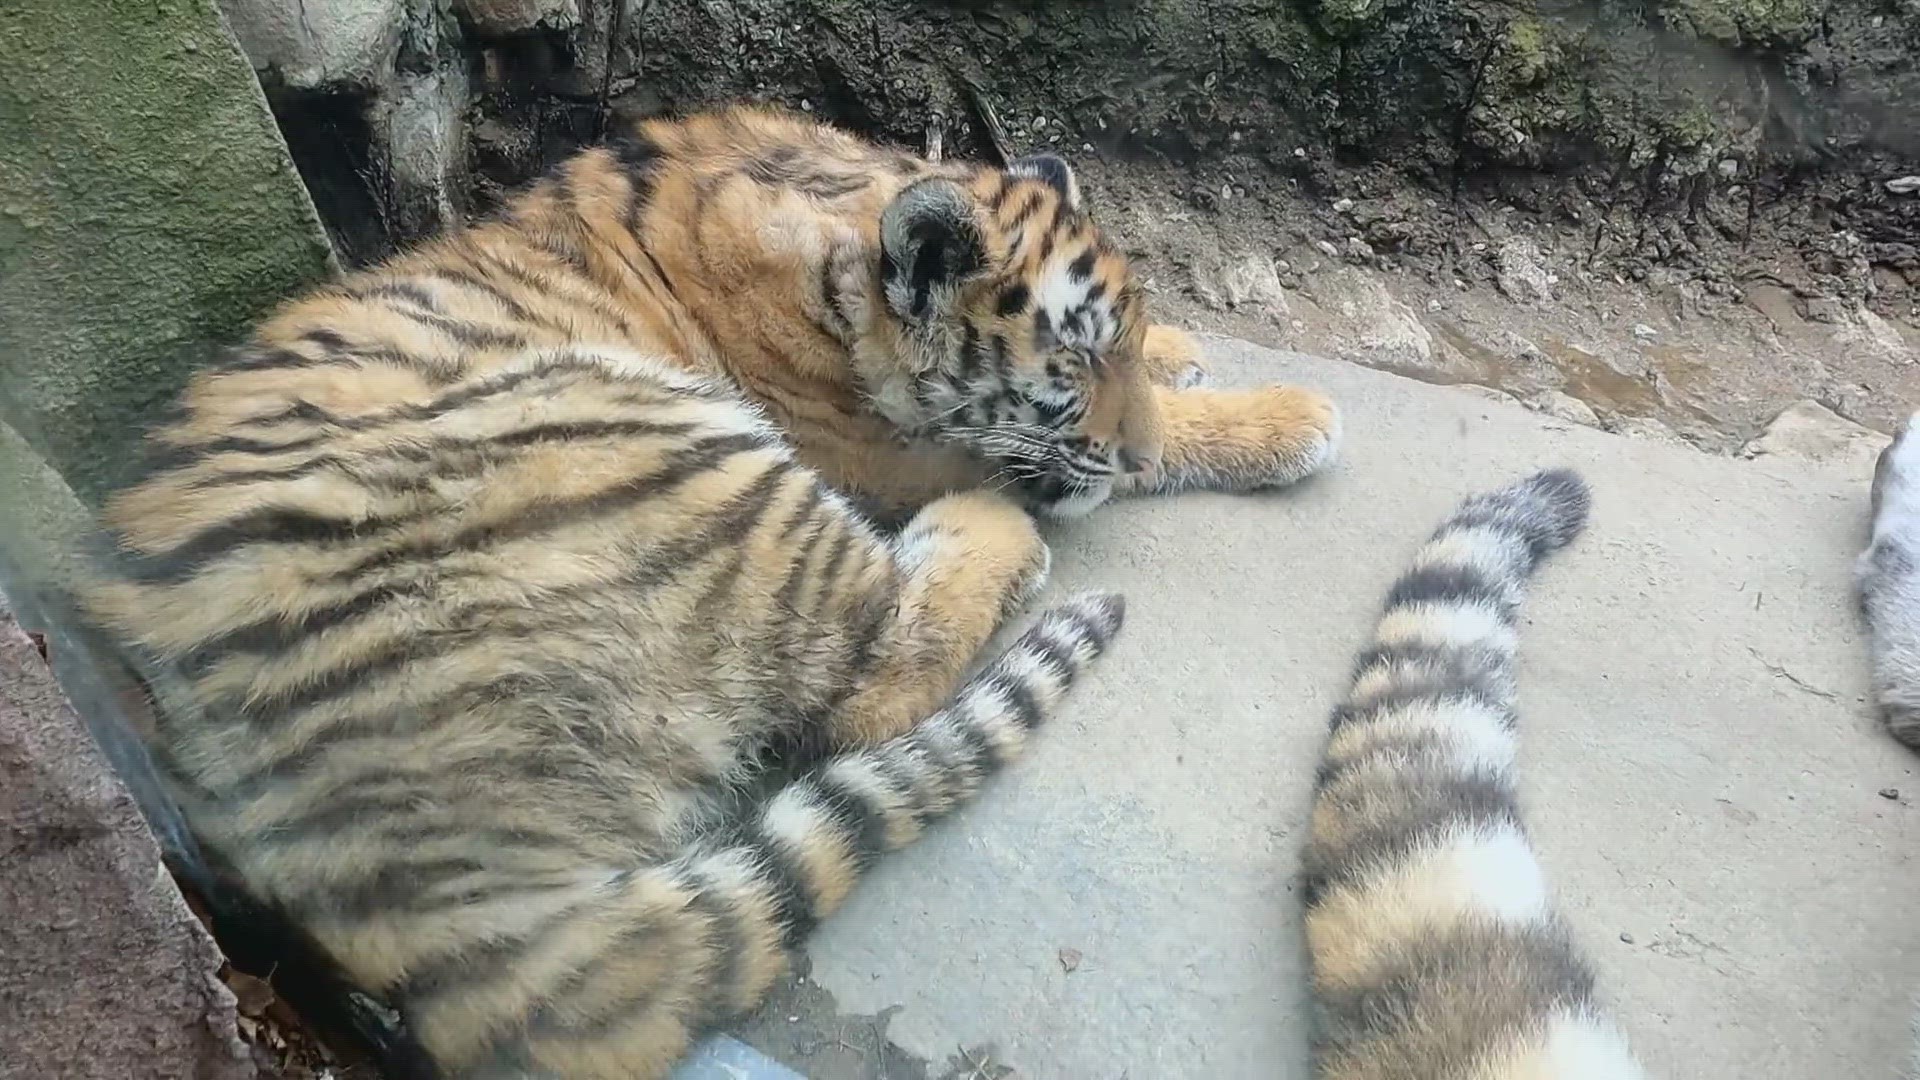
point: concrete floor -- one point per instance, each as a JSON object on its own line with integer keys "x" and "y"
{"x": 1705, "y": 782}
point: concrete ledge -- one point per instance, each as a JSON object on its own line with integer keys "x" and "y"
{"x": 1703, "y": 774}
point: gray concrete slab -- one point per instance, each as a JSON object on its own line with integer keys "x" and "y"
{"x": 1702, "y": 771}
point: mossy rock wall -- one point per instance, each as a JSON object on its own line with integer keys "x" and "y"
{"x": 148, "y": 213}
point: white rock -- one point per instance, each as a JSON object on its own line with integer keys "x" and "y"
{"x": 419, "y": 124}
{"x": 1644, "y": 332}
{"x": 1646, "y": 427}
{"x": 1813, "y": 432}
{"x": 1522, "y": 275}
{"x": 1563, "y": 406}
{"x": 1385, "y": 327}
{"x": 1904, "y": 185}
{"x": 1250, "y": 282}
{"x": 312, "y": 46}
{"x": 1326, "y": 248}
{"x": 1341, "y": 206}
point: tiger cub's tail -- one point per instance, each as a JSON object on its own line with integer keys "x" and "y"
{"x": 1434, "y": 949}
{"x": 620, "y": 982}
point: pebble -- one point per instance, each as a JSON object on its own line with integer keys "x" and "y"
{"x": 1645, "y": 332}
{"x": 1341, "y": 206}
{"x": 1904, "y": 185}
{"x": 1890, "y": 793}
{"x": 1626, "y": 937}
{"x": 1326, "y": 248}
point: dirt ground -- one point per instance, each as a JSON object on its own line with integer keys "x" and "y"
{"x": 1659, "y": 327}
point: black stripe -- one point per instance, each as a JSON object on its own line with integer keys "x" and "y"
{"x": 1436, "y": 691}
{"x": 1385, "y": 822}
{"x": 1018, "y": 694}
{"x": 786, "y": 884}
{"x": 682, "y": 465}
{"x": 985, "y": 759}
{"x": 803, "y": 513}
{"x": 1450, "y": 996}
{"x": 971, "y": 359}
{"x": 1057, "y": 658}
{"x": 265, "y": 358}
{"x": 830, "y": 573}
{"x": 722, "y": 528}
{"x": 566, "y": 431}
{"x": 864, "y": 826}
{"x": 1451, "y": 583}
{"x": 1081, "y": 268}
{"x": 1013, "y": 300}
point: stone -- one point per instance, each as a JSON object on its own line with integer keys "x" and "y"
{"x": 1489, "y": 393}
{"x": 1522, "y": 273}
{"x": 1250, "y": 282}
{"x": 339, "y": 44}
{"x": 1646, "y": 427}
{"x": 1563, "y": 406}
{"x": 1643, "y": 332}
{"x": 1387, "y": 329}
{"x": 499, "y": 18}
{"x": 1812, "y": 432}
{"x": 105, "y": 972}
{"x": 419, "y": 125}
{"x": 1904, "y": 185}
{"x": 143, "y": 180}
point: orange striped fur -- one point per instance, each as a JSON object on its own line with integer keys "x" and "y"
{"x": 521, "y": 629}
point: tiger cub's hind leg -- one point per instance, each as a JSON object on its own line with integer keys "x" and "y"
{"x": 967, "y": 562}
{"x": 614, "y": 979}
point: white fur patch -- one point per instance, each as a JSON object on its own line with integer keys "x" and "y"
{"x": 1061, "y": 295}
{"x": 792, "y": 817}
{"x": 1495, "y": 553}
{"x": 1581, "y": 1046}
{"x": 1480, "y": 869}
{"x": 1081, "y": 504}
{"x": 1458, "y": 625}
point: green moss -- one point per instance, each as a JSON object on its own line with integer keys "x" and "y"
{"x": 148, "y": 214}
{"x": 1760, "y": 24}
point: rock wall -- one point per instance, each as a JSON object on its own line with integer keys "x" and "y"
{"x": 1657, "y": 100}
{"x": 104, "y": 973}
{"x": 147, "y": 215}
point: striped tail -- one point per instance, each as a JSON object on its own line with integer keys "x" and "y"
{"x": 1434, "y": 949}
{"x": 622, "y": 981}
{"x": 816, "y": 836}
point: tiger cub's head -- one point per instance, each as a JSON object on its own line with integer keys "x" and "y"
{"x": 1023, "y": 326}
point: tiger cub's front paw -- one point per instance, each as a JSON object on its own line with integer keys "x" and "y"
{"x": 1244, "y": 440}
{"x": 1172, "y": 358}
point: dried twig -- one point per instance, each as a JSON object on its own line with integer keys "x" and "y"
{"x": 1779, "y": 672}
{"x": 989, "y": 121}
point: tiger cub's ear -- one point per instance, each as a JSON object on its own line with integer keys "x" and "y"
{"x": 1052, "y": 170}
{"x": 930, "y": 244}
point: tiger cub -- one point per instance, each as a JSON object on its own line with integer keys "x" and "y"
{"x": 482, "y": 586}
{"x": 1434, "y": 950}
{"x": 912, "y": 329}
{"x": 474, "y": 688}
{"x": 1888, "y": 576}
